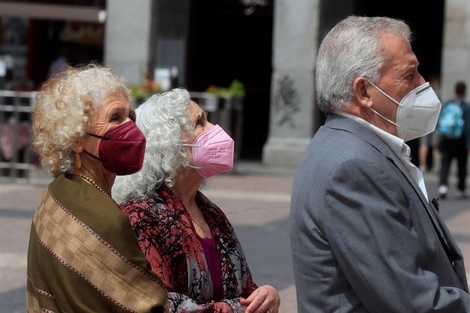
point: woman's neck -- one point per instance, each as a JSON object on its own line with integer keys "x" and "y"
{"x": 103, "y": 181}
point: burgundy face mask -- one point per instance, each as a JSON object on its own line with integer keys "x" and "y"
{"x": 121, "y": 149}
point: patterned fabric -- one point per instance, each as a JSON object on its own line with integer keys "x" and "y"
{"x": 83, "y": 255}
{"x": 168, "y": 238}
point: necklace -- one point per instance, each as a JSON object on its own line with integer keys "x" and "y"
{"x": 92, "y": 183}
{"x": 204, "y": 235}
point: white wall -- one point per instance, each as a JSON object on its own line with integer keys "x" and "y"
{"x": 127, "y": 37}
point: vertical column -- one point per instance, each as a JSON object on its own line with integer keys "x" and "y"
{"x": 292, "y": 111}
{"x": 455, "y": 49}
{"x": 128, "y": 32}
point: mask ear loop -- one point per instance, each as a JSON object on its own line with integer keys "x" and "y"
{"x": 380, "y": 90}
{"x": 98, "y": 136}
{"x": 195, "y": 167}
{"x": 94, "y": 156}
{"x": 387, "y": 119}
{"x": 192, "y": 145}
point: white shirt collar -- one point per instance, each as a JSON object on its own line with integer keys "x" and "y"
{"x": 397, "y": 145}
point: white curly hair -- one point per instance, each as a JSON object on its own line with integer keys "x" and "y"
{"x": 65, "y": 106}
{"x": 163, "y": 119}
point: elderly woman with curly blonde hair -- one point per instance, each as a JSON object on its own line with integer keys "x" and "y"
{"x": 83, "y": 255}
{"x": 186, "y": 237}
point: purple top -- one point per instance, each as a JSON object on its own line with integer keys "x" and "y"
{"x": 213, "y": 262}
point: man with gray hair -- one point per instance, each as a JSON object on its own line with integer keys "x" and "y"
{"x": 364, "y": 235}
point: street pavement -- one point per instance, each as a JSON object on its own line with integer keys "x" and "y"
{"x": 254, "y": 197}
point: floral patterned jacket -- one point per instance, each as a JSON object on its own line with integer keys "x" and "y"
{"x": 166, "y": 235}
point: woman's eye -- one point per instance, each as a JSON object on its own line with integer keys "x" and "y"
{"x": 202, "y": 119}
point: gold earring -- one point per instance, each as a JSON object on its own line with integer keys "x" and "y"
{"x": 78, "y": 161}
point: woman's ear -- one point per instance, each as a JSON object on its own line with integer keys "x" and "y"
{"x": 361, "y": 91}
{"x": 77, "y": 146}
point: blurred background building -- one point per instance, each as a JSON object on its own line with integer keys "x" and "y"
{"x": 268, "y": 45}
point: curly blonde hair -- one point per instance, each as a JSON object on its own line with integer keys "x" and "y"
{"x": 65, "y": 106}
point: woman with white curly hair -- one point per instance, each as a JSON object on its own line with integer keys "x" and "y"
{"x": 187, "y": 238}
{"x": 83, "y": 255}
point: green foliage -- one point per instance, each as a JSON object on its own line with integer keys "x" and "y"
{"x": 236, "y": 88}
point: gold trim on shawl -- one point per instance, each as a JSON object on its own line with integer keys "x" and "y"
{"x": 84, "y": 252}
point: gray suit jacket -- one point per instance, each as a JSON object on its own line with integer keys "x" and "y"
{"x": 363, "y": 236}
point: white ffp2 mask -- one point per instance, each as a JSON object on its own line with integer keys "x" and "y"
{"x": 417, "y": 112}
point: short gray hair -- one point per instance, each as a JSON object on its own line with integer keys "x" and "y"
{"x": 352, "y": 49}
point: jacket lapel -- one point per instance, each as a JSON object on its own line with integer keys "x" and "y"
{"x": 446, "y": 239}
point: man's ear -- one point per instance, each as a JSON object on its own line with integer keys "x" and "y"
{"x": 361, "y": 91}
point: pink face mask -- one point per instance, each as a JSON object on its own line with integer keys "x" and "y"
{"x": 213, "y": 152}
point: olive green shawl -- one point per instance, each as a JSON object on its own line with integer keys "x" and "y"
{"x": 83, "y": 255}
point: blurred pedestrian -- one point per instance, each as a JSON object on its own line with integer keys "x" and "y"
{"x": 187, "y": 238}
{"x": 363, "y": 234}
{"x": 428, "y": 144}
{"x": 61, "y": 61}
{"x": 454, "y": 135}
{"x": 83, "y": 255}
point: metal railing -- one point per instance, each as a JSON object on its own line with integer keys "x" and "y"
{"x": 17, "y": 160}
{"x": 18, "y": 163}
